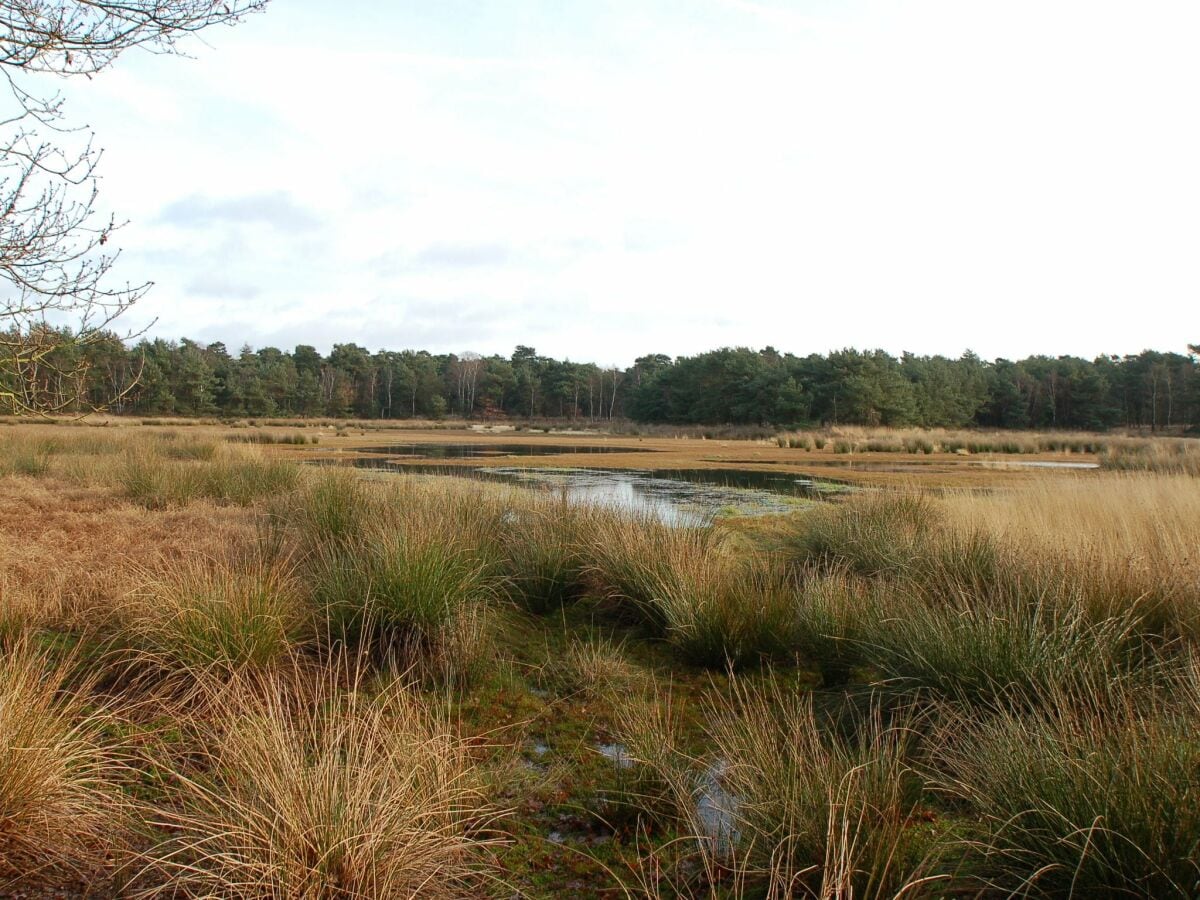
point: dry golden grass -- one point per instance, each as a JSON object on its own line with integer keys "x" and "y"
{"x": 218, "y": 615}
{"x": 596, "y": 668}
{"x": 69, "y": 554}
{"x": 60, "y": 807}
{"x": 1130, "y": 537}
{"x": 1180, "y": 456}
{"x": 860, "y": 439}
{"x": 288, "y": 777}
{"x": 339, "y": 797}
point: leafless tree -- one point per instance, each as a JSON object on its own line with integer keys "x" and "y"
{"x": 617, "y": 375}
{"x": 54, "y": 252}
{"x": 467, "y": 368}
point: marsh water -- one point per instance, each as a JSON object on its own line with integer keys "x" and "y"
{"x": 678, "y": 497}
{"x": 492, "y": 451}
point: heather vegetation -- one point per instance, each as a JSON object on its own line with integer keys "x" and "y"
{"x": 1154, "y": 390}
{"x": 228, "y": 675}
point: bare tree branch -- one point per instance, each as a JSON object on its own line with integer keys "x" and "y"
{"x": 54, "y": 252}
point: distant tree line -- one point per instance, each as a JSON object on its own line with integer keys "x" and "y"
{"x": 727, "y": 386}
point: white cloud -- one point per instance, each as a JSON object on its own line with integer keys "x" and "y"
{"x": 926, "y": 176}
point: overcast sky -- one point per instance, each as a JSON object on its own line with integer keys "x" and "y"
{"x": 607, "y": 178}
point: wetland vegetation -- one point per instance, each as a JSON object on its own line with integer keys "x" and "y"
{"x": 229, "y": 674}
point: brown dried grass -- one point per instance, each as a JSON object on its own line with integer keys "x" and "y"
{"x": 339, "y": 797}
{"x": 61, "y": 810}
{"x": 69, "y": 554}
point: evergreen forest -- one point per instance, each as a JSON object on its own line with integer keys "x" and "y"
{"x": 741, "y": 386}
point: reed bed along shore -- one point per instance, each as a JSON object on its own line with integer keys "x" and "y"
{"x": 1122, "y": 452}
{"x": 224, "y": 674}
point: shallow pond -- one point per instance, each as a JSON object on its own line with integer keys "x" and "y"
{"x": 491, "y": 451}
{"x": 691, "y": 497}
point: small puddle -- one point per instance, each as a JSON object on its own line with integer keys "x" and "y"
{"x": 617, "y": 753}
{"x": 717, "y": 810}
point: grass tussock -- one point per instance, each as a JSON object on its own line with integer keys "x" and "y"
{"x": 872, "y": 534}
{"x": 205, "y": 615}
{"x": 985, "y": 655}
{"x": 242, "y": 480}
{"x": 344, "y": 797}
{"x": 331, "y": 509}
{"x": 26, "y": 609}
{"x": 391, "y": 589}
{"x": 814, "y": 810}
{"x": 718, "y": 607}
{"x": 832, "y": 624}
{"x": 1079, "y": 799}
{"x": 23, "y": 458}
{"x": 783, "y": 804}
{"x": 410, "y": 587}
{"x": 543, "y": 547}
{"x": 170, "y": 446}
{"x": 60, "y": 804}
{"x": 405, "y": 571}
{"x": 594, "y": 668}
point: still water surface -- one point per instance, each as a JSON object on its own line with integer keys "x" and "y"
{"x": 491, "y": 451}
{"x": 689, "y": 497}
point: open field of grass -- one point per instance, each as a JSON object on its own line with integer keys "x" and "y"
{"x": 937, "y": 457}
{"x": 225, "y": 674}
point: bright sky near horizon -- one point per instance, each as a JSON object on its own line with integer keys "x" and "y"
{"x": 606, "y": 179}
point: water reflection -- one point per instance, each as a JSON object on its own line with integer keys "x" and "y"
{"x": 475, "y": 451}
{"x": 690, "y": 497}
